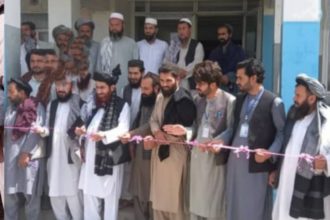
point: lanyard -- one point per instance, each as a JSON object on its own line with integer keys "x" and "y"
{"x": 252, "y": 103}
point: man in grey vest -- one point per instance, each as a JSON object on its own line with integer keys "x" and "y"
{"x": 259, "y": 119}
{"x": 185, "y": 52}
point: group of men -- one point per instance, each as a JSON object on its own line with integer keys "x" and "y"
{"x": 74, "y": 115}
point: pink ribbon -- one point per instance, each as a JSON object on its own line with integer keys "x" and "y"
{"x": 309, "y": 160}
{"x": 242, "y": 149}
{"x": 138, "y": 139}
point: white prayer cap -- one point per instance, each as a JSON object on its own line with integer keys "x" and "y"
{"x": 116, "y": 15}
{"x": 151, "y": 21}
{"x": 186, "y": 20}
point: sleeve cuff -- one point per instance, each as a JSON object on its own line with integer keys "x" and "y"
{"x": 327, "y": 170}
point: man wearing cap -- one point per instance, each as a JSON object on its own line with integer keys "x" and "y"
{"x": 259, "y": 119}
{"x": 152, "y": 50}
{"x": 140, "y": 178}
{"x": 304, "y": 189}
{"x": 185, "y": 52}
{"x": 63, "y": 37}
{"x": 23, "y": 152}
{"x": 132, "y": 91}
{"x": 116, "y": 49}
{"x": 62, "y": 150}
{"x": 132, "y": 95}
{"x": 85, "y": 28}
{"x": 227, "y": 54}
{"x": 29, "y": 41}
{"x": 106, "y": 117}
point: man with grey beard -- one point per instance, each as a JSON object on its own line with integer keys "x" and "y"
{"x": 85, "y": 29}
{"x": 116, "y": 49}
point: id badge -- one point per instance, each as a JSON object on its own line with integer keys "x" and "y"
{"x": 244, "y": 130}
{"x": 206, "y": 131}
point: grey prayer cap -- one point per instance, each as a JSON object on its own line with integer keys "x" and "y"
{"x": 84, "y": 21}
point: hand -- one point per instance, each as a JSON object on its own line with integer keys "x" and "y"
{"x": 97, "y": 136}
{"x": 37, "y": 129}
{"x": 125, "y": 138}
{"x": 80, "y": 130}
{"x": 149, "y": 143}
{"x": 272, "y": 177}
{"x": 203, "y": 147}
{"x": 177, "y": 129}
{"x": 160, "y": 135}
{"x": 320, "y": 163}
{"x": 23, "y": 160}
{"x": 261, "y": 155}
{"x": 213, "y": 146}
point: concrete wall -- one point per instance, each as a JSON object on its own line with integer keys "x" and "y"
{"x": 268, "y": 43}
{"x": 300, "y": 43}
{"x": 12, "y": 39}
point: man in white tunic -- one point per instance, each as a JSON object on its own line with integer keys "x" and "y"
{"x": 304, "y": 189}
{"x": 106, "y": 117}
{"x": 63, "y": 165}
{"x": 116, "y": 49}
{"x": 152, "y": 50}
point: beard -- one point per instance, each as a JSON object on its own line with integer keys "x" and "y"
{"x": 148, "y": 100}
{"x": 223, "y": 42}
{"x": 116, "y": 35}
{"x": 37, "y": 71}
{"x": 301, "y": 111}
{"x": 87, "y": 40}
{"x": 205, "y": 93}
{"x": 135, "y": 84}
{"x": 62, "y": 47}
{"x": 102, "y": 101}
{"x": 64, "y": 98}
{"x": 245, "y": 88}
{"x": 149, "y": 38}
{"x": 168, "y": 92}
{"x": 16, "y": 101}
{"x": 29, "y": 43}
